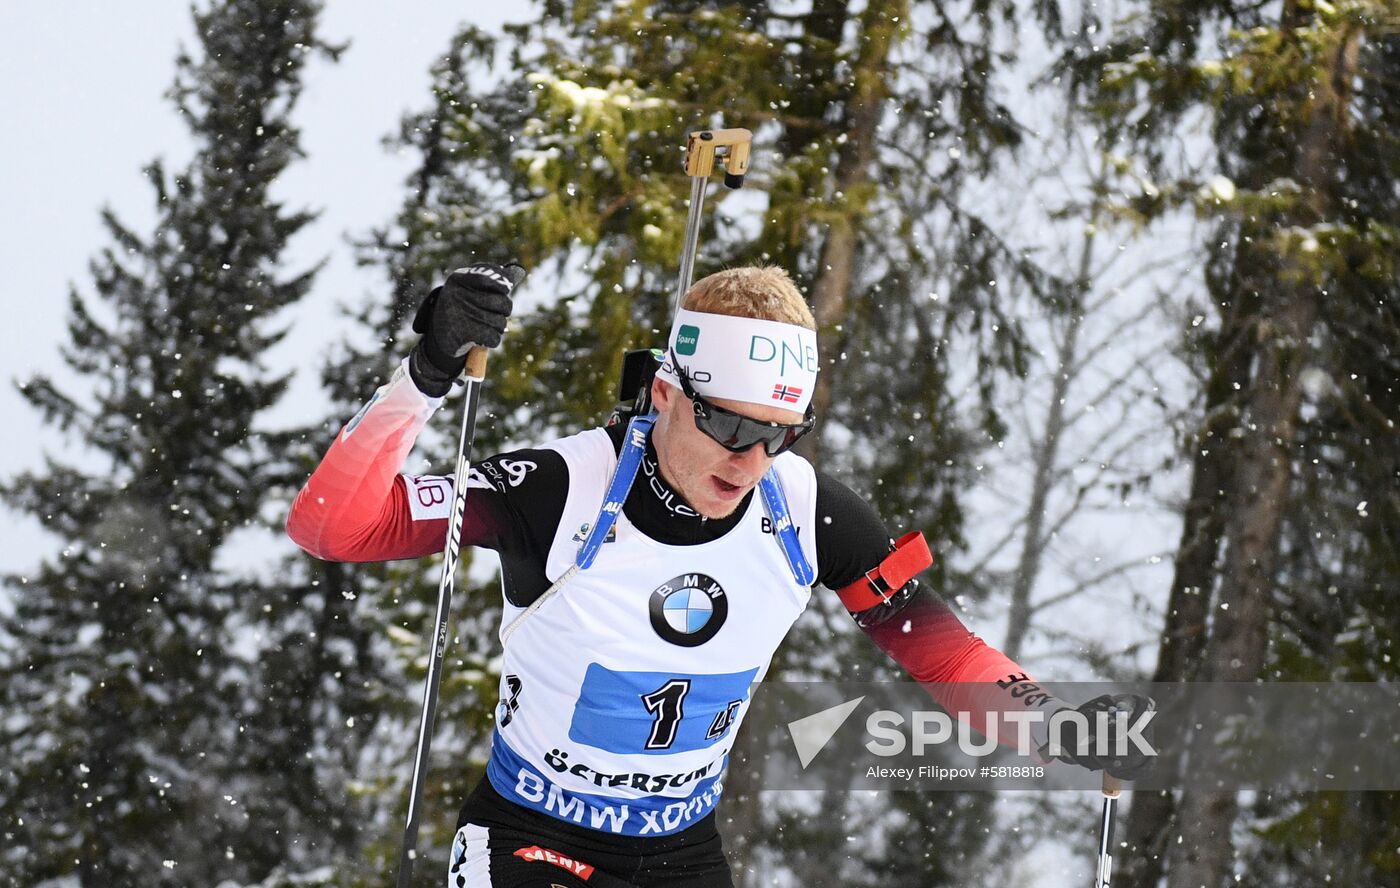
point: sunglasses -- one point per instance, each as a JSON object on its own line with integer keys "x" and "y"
{"x": 738, "y": 433}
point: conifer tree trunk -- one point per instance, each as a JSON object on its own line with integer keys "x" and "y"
{"x": 1258, "y": 494}
{"x": 1151, "y": 816}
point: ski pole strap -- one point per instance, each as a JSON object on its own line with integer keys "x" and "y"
{"x": 776, "y": 504}
{"x": 883, "y": 582}
{"x": 628, "y": 461}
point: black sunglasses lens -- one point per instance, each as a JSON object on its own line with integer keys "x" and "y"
{"x": 722, "y": 427}
{"x": 790, "y": 436}
{"x": 729, "y": 430}
{"x": 739, "y": 433}
{"x": 788, "y": 439}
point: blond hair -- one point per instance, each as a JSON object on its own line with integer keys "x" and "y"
{"x": 757, "y": 291}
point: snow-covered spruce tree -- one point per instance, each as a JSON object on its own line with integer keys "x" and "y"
{"x": 869, "y": 122}
{"x": 127, "y": 678}
{"x": 1286, "y": 565}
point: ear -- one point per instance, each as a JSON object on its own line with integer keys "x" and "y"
{"x": 662, "y": 393}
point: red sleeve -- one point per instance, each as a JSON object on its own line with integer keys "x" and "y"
{"x": 959, "y": 670}
{"x": 357, "y": 507}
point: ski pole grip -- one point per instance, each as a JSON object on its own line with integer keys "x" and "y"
{"x": 476, "y": 361}
{"x": 1112, "y": 786}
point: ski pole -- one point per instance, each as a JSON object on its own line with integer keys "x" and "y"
{"x": 476, "y": 375}
{"x": 731, "y": 148}
{"x": 1112, "y": 786}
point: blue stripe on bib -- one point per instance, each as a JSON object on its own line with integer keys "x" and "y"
{"x": 656, "y": 713}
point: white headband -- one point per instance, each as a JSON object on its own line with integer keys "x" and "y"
{"x": 743, "y": 359}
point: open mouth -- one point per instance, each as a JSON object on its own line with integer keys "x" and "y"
{"x": 725, "y": 489}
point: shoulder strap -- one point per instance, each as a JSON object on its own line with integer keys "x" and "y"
{"x": 776, "y": 505}
{"x": 628, "y": 461}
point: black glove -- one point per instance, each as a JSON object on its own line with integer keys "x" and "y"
{"x": 470, "y": 308}
{"x": 1130, "y": 765}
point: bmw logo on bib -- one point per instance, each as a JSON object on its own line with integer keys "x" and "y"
{"x": 689, "y": 609}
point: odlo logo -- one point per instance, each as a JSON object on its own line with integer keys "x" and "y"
{"x": 687, "y": 338}
{"x": 688, "y": 610}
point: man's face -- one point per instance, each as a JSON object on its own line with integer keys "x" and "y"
{"x": 712, "y": 479}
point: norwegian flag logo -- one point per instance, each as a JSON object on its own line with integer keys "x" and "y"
{"x": 786, "y": 393}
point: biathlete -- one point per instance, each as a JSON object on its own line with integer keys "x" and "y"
{"x": 621, "y": 694}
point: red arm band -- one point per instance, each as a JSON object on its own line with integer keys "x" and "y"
{"x": 881, "y": 583}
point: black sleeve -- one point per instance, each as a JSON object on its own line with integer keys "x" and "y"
{"x": 527, "y": 493}
{"x": 851, "y": 538}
